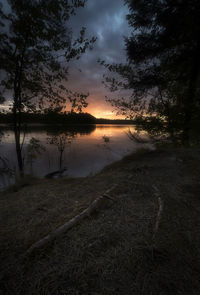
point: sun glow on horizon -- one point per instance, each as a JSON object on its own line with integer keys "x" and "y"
{"x": 99, "y": 113}
{"x": 104, "y": 114}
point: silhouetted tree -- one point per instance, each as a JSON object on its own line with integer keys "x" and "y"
{"x": 163, "y": 65}
{"x": 61, "y": 140}
{"x": 34, "y": 149}
{"x": 36, "y": 46}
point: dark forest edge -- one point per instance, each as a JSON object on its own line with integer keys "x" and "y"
{"x": 52, "y": 118}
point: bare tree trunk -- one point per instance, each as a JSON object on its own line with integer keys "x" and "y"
{"x": 17, "y": 132}
{"x": 17, "y": 118}
{"x": 17, "y": 107}
{"x": 60, "y": 160}
{"x": 160, "y": 211}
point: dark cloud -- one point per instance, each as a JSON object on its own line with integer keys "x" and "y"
{"x": 107, "y": 21}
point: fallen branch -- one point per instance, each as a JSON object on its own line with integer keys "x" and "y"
{"x": 72, "y": 222}
{"x": 55, "y": 173}
{"x": 136, "y": 137}
{"x": 160, "y": 210}
{"x": 109, "y": 197}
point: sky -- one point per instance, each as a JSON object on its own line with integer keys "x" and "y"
{"x": 105, "y": 19}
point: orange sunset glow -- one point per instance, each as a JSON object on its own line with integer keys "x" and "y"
{"x": 101, "y": 110}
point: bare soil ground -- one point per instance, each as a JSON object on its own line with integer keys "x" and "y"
{"x": 115, "y": 250}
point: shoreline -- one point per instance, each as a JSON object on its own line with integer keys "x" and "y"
{"x": 65, "y": 125}
{"x": 125, "y": 227}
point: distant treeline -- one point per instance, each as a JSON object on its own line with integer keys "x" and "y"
{"x": 116, "y": 121}
{"x": 59, "y": 118}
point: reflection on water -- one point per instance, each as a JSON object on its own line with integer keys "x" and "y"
{"x": 81, "y": 150}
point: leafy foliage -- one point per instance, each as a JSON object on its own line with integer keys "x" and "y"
{"x": 36, "y": 46}
{"x": 61, "y": 141}
{"x": 35, "y": 50}
{"x": 163, "y": 64}
{"x": 34, "y": 148}
{"x": 5, "y": 168}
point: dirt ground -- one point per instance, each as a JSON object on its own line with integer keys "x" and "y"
{"x": 116, "y": 250}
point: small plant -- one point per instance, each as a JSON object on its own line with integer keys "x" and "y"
{"x": 34, "y": 149}
{"x": 106, "y": 138}
{"x": 61, "y": 141}
{"x": 135, "y": 136}
{"x": 6, "y": 172}
{"x": 4, "y": 167}
{"x": 1, "y": 135}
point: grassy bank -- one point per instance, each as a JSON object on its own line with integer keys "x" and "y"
{"x": 115, "y": 250}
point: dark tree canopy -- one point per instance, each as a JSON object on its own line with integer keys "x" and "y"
{"x": 36, "y": 47}
{"x": 163, "y": 63}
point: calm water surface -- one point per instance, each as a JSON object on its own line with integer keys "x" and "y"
{"x": 91, "y": 149}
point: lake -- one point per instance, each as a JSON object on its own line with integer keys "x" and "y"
{"x": 86, "y": 149}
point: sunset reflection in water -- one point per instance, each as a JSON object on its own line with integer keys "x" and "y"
{"x": 92, "y": 147}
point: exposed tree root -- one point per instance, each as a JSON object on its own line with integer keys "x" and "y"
{"x": 160, "y": 211}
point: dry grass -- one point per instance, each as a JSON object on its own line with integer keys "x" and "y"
{"x": 111, "y": 252}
